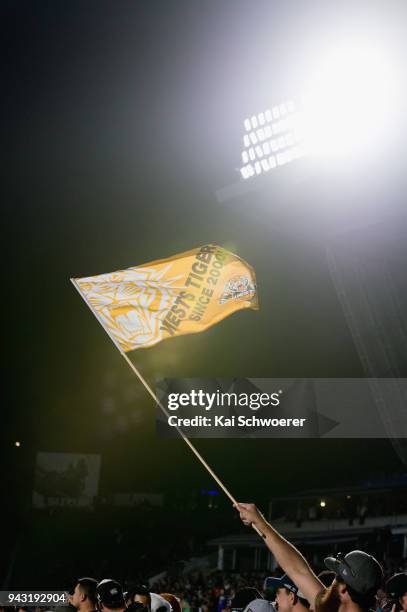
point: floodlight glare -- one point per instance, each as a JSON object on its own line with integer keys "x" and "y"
{"x": 290, "y": 106}
{"x": 349, "y": 98}
{"x": 350, "y": 106}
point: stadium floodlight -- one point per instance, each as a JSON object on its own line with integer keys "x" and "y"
{"x": 283, "y": 121}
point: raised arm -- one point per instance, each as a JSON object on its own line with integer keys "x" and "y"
{"x": 287, "y": 556}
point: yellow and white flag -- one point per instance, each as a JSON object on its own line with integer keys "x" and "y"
{"x": 184, "y": 294}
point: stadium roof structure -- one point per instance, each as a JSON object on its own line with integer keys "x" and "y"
{"x": 321, "y": 532}
{"x": 368, "y": 487}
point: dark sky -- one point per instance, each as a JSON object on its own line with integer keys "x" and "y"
{"x": 121, "y": 120}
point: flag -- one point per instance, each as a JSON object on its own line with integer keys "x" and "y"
{"x": 184, "y": 294}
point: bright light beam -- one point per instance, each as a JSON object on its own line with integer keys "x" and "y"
{"x": 350, "y": 110}
{"x": 350, "y": 101}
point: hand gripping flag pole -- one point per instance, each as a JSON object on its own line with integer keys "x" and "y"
{"x": 124, "y": 306}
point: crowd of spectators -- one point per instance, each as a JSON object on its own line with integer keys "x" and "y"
{"x": 213, "y": 591}
{"x": 198, "y": 591}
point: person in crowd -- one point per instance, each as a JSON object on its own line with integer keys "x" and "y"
{"x": 136, "y": 606}
{"x": 173, "y": 601}
{"x": 83, "y": 595}
{"x": 159, "y": 604}
{"x": 243, "y": 597}
{"x": 152, "y": 601}
{"x": 396, "y": 590}
{"x": 139, "y": 594}
{"x": 358, "y": 575}
{"x": 249, "y": 599}
{"x": 109, "y": 596}
{"x": 288, "y": 597}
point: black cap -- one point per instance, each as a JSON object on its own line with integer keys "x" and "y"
{"x": 359, "y": 570}
{"x": 110, "y": 593}
{"x": 396, "y": 586}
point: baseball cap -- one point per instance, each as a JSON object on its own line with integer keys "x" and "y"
{"x": 359, "y": 570}
{"x": 110, "y": 593}
{"x": 396, "y": 586}
{"x": 278, "y": 583}
{"x": 260, "y": 605}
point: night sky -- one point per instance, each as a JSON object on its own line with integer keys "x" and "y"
{"x": 121, "y": 121}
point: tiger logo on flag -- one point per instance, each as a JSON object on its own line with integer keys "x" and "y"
{"x": 238, "y": 287}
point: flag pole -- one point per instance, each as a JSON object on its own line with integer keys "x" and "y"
{"x": 164, "y": 410}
